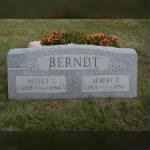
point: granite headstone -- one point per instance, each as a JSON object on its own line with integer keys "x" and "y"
{"x": 71, "y": 71}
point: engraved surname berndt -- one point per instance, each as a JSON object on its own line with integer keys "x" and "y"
{"x": 73, "y": 62}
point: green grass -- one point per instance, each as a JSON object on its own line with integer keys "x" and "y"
{"x": 85, "y": 114}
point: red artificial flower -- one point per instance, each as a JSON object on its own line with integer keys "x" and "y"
{"x": 96, "y": 36}
{"x": 104, "y": 42}
{"x": 101, "y": 35}
{"x": 49, "y": 39}
{"x": 91, "y": 36}
{"x": 113, "y": 37}
{"x": 62, "y": 41}
{"x": 56, "y": 33}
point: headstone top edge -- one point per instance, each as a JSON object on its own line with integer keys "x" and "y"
{"x": 67, "y": 46}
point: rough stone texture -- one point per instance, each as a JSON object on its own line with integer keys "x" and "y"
{"x": 71, "y": 71}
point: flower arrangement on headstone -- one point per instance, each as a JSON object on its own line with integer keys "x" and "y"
{"x": 59, "y": 38}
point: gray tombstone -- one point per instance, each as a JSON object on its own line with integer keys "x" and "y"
{"x": 71, "y": 71}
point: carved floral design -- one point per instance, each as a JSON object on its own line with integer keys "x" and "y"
{"x": 115, "y": 65}
{"x": 30, "y": 65}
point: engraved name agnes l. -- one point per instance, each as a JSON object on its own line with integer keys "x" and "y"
{"x": 73, "y": 62}
{"x": 41, "y": 84}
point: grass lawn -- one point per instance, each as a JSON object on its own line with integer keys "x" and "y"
{"x": 85, "y": 114}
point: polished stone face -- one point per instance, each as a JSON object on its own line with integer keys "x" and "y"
{"x": 71, "y": 71}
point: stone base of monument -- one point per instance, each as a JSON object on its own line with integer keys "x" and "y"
{"x": 71, "y": 71}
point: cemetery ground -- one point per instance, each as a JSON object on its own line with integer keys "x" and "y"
{"x": 82, "y": 114}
